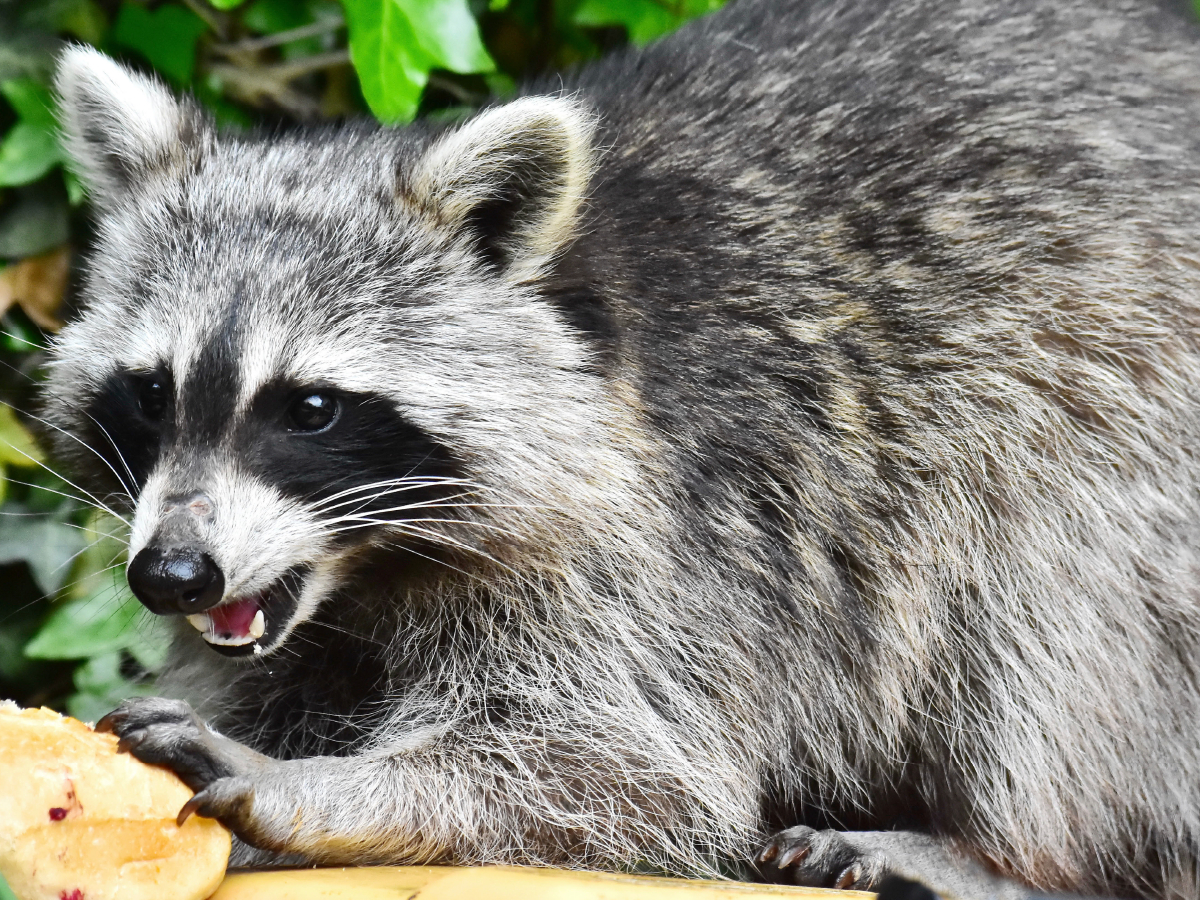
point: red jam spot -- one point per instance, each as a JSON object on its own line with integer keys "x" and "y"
{"x": 76, "y": 894}
{"x": 57, "y": 814}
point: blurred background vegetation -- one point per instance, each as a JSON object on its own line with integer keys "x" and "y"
{"x": 71, "y": 635}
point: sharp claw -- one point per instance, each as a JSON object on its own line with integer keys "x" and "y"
{"x": 769, "y": 853}
{"x": 105, "y": 725}
{"x": 848, "y": 877}
{"x": 192, "y": 806}
{"x": 794, "y": 855}
{"x": 130, "y": 741}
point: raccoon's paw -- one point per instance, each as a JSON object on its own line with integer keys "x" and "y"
{"x": 222, "y": 772}
{"x": 168, "y": 733}
{"x": 823, "y": 859}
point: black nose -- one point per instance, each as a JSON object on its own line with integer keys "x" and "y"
{"x": 175, "y": 580}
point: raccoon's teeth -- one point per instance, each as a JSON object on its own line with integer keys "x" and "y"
{"x": 258, "y": 625}
{"x": 227, "y": 640}
{"x": 200, "y": 621}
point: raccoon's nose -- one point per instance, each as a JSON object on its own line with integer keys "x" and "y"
{"x": 175, "y": 580}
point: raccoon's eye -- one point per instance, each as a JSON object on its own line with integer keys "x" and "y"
{"x": 153, "y": 397}
{"x": 312, "y": 412}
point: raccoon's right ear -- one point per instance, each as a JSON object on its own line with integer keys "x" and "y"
{"x": 121, "y": 128}
{"x": 511, "y": 181}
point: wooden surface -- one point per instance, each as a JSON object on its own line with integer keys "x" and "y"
{"x": 494, "y": 883}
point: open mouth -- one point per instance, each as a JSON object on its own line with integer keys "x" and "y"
{"x": 250, "y": 625}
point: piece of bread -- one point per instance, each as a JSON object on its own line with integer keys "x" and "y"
{"x": 78, "y": 821}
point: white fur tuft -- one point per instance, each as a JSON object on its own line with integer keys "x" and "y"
{"x": 117, "y": 124}
{"x": 545, "y": 143}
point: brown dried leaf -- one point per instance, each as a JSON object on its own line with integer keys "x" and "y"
{"x": 37, "y": 285}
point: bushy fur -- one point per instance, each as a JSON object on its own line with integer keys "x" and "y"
{"x": 829, "y": 386}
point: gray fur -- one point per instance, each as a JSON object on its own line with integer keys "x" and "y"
{"x": 839, "y": 445}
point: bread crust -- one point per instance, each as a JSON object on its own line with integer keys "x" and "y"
{"x": 82, "y": 820}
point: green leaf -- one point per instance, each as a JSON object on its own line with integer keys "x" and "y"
{"x": 151, "y": 641}
{"x": 30, "y": 99}
{"x": 395, "y": 44}
{"x": 105, "y": 539}
{"x": 644, "y": 20}
{"x": 34, "y": 222}
{"x": 76, "y": 192}
{"x": 99, "y": 673}
{"x": 227, "y": 4}
{"x": 271, "y": 16}
{"x": 101, "y": 622}
{"x": 101, "y": 686}
{"x": 30, "y": 149}
{"x": 166, "y": 37}
{"x": 17, "y": 447}
{"x": 28, "y": 152}
{"x": 5, "y": 891}
{"x": 17, "y": 333}
{"x": 447, "y": 31}
{"x": 47, "y": 546}
{"x": 82, "y": 18}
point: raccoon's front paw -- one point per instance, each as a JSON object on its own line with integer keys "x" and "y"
{"x": 221, "y": 772}
{"x": 823, "y": 859}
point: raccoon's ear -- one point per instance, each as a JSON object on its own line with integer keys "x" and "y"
{"x": 121, "y": 128}
{"x": 511, "y": 180}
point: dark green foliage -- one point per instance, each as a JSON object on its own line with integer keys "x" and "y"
{"x": 71, "y": 635}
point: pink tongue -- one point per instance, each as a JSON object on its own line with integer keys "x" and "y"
{"x": 234, "y": 619}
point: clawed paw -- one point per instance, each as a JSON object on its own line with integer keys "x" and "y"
{"x": 169, "y": 733}
{"x": 227, "y": 799}
{"x": 823, "y": 859}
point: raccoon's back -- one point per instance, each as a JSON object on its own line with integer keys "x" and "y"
{"x": 826, "y": 215}
{"x": 909, "y": 292}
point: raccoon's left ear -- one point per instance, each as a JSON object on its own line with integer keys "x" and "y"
{"x": 121, "y": 128}
{"x": 511, "y": 181}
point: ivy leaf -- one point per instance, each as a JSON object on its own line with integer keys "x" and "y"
{"x": 17, "y": 447}
{"x": 270, "y": 16}
{"x": 447, "y": 31}
{"x": 644, "y": 20}
{"x": 30, "y": 99}
{"x": 28, "y": 152}
{"x": 101, "y": 687}
{"x": 166, "y": 37}
{"x": 395, "y": 44}
{"x": 30, "y": 149}
{"x": 82, "y": 18}
{"x": 101, "y": 622}
{"x": 47, "y": 546}
{"x": 150, "y": 641}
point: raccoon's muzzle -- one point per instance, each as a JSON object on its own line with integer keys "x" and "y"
{"x": 169, "y": 580}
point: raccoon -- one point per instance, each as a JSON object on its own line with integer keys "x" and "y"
{"x": 768, "y": 446}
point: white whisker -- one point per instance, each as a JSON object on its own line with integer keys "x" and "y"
{"x": 83, "y": 444}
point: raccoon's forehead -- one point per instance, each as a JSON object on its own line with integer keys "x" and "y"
{"x": 289, "y": 271}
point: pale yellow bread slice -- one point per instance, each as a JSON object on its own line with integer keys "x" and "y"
{"x": 82, "y": 822}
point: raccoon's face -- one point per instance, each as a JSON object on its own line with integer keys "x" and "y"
{"x": 296, "y": 350}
